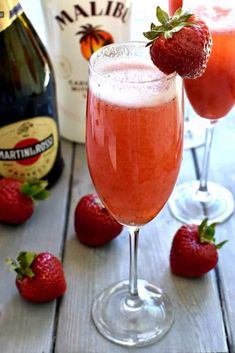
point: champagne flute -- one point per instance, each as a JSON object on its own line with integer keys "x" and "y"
{"x": 134, "y": 149}
{"x": 194, "y": 130}
{"x": 212, "y": 97}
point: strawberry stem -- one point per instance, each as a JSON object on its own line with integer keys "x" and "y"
{"x": 207, "y": 233}
{"x": 22, "y": 266}
{"x": 168, "y": 25}
{"x": 35, "y": 189}
{"x": 219, "y": 246}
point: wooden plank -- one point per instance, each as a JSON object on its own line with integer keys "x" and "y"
{"x": 27, "y": 327}
{"x": 222, "y": 171}
{"x": 197, "y": 307}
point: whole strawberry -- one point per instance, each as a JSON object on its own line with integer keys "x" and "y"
{"x": 94, "y": 225}
{"x": 40, "y": 277}
{"x": 16, "y": 199}
{"x": 193, "y": 251}
{"x": 181, "y": 43}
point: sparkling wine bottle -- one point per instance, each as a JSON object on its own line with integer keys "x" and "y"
{"x": 29, "y": 136}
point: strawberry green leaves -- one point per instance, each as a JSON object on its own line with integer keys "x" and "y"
{"x": 169, "y": 25}
{"x": 207, "y": 233}
{"x": 162, "y": 16}
{"x": 35, "y": 189}
{"x": 22, "y": 266}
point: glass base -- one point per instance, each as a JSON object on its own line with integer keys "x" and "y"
{"x": 217, "y": 204}
{"x": 130, "y": 326}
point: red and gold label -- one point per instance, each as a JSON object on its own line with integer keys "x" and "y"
{"x": 9, "y": 11}
{"x": 28, "y": 148}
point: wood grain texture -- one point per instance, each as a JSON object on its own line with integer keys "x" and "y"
{"x": 198, "y": 314}
{"x": 26, "y": 327}
{"x": 222, "y": 171}
{"x": 198, "y": 327}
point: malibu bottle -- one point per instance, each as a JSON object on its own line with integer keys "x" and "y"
{"x": 75, "y": 29}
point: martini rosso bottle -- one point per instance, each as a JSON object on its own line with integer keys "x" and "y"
{"x": 29, "y": 137}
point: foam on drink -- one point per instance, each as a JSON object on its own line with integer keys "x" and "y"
{"x": 140, "y": 88}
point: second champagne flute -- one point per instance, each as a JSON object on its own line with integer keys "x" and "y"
{"x": 194, "y": 130}
{"x": 212, "y": 97}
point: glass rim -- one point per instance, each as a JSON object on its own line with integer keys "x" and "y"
{"x": 164, "y": 78}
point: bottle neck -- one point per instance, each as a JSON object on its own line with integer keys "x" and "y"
{"x": 9, "y": 11}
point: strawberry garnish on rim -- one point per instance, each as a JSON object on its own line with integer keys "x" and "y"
{"x": 181, "y": 43}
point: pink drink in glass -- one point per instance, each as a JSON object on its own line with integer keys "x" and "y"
{"x": 213, "y": 95}
{"x": 134, "y": 149}
{"x": 134, "y": 142}
{"x": 174, "y": 5}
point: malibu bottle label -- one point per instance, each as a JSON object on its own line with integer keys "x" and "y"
{"x": 74, "y": 31}
{"x": 28, "y": 148}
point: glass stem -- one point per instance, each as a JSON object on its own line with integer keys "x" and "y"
{"x": 203, "y": 190}
{"x": 133, "y": 300}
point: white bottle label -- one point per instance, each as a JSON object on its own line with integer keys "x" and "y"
{"x": 74, "y": 31}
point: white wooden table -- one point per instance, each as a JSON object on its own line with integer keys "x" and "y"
{"x": 205, "y": 307}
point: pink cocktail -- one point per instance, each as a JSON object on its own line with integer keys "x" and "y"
{"x": 134, "y": 154}
{"x": 134, "y": 149}
{"x": 212, "y": 96}
{"x": 174, "y": 5}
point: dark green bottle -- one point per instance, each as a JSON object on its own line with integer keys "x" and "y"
{"x": 29, "y": 135}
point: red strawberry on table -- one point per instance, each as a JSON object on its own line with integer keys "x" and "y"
{"x": 193, "y": 250}
{"x": 16, "y": 199}
{"x": 94, "y": 225}
{"x": 40, "y": 277}
{"x": 181, "y": 43}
